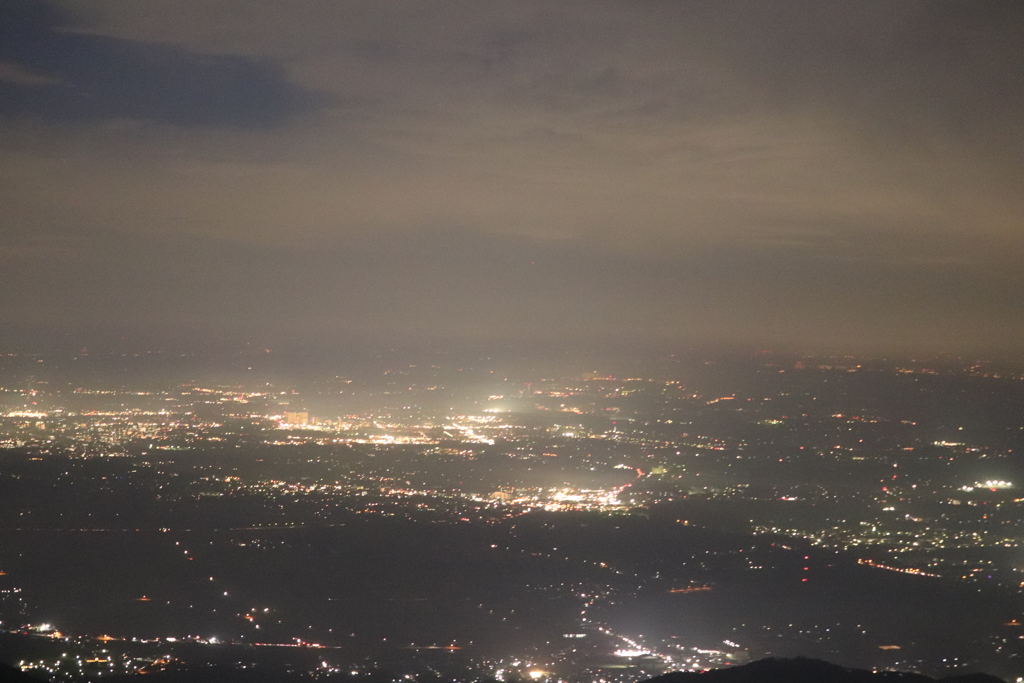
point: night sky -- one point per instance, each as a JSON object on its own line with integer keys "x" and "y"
{"x": 809, "y": 174}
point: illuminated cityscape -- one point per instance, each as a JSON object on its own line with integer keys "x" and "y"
{"x": 542, "y": 341}
{"x": 584, "y": 528}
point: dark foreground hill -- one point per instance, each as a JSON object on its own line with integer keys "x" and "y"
{"x": 10, "y": 674}
{"x": 802, "y": 670}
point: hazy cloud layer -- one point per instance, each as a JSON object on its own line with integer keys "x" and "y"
{"x": 792, "y": 172}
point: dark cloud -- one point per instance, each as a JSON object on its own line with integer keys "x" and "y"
{"x": 62, "y": 76}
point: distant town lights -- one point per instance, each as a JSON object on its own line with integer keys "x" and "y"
{"x": 990, "y": 484}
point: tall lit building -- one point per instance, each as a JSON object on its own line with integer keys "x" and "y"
{"x": 296, "y": 419}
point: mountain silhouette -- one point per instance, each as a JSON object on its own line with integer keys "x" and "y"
{"x": 803, "y": 670}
